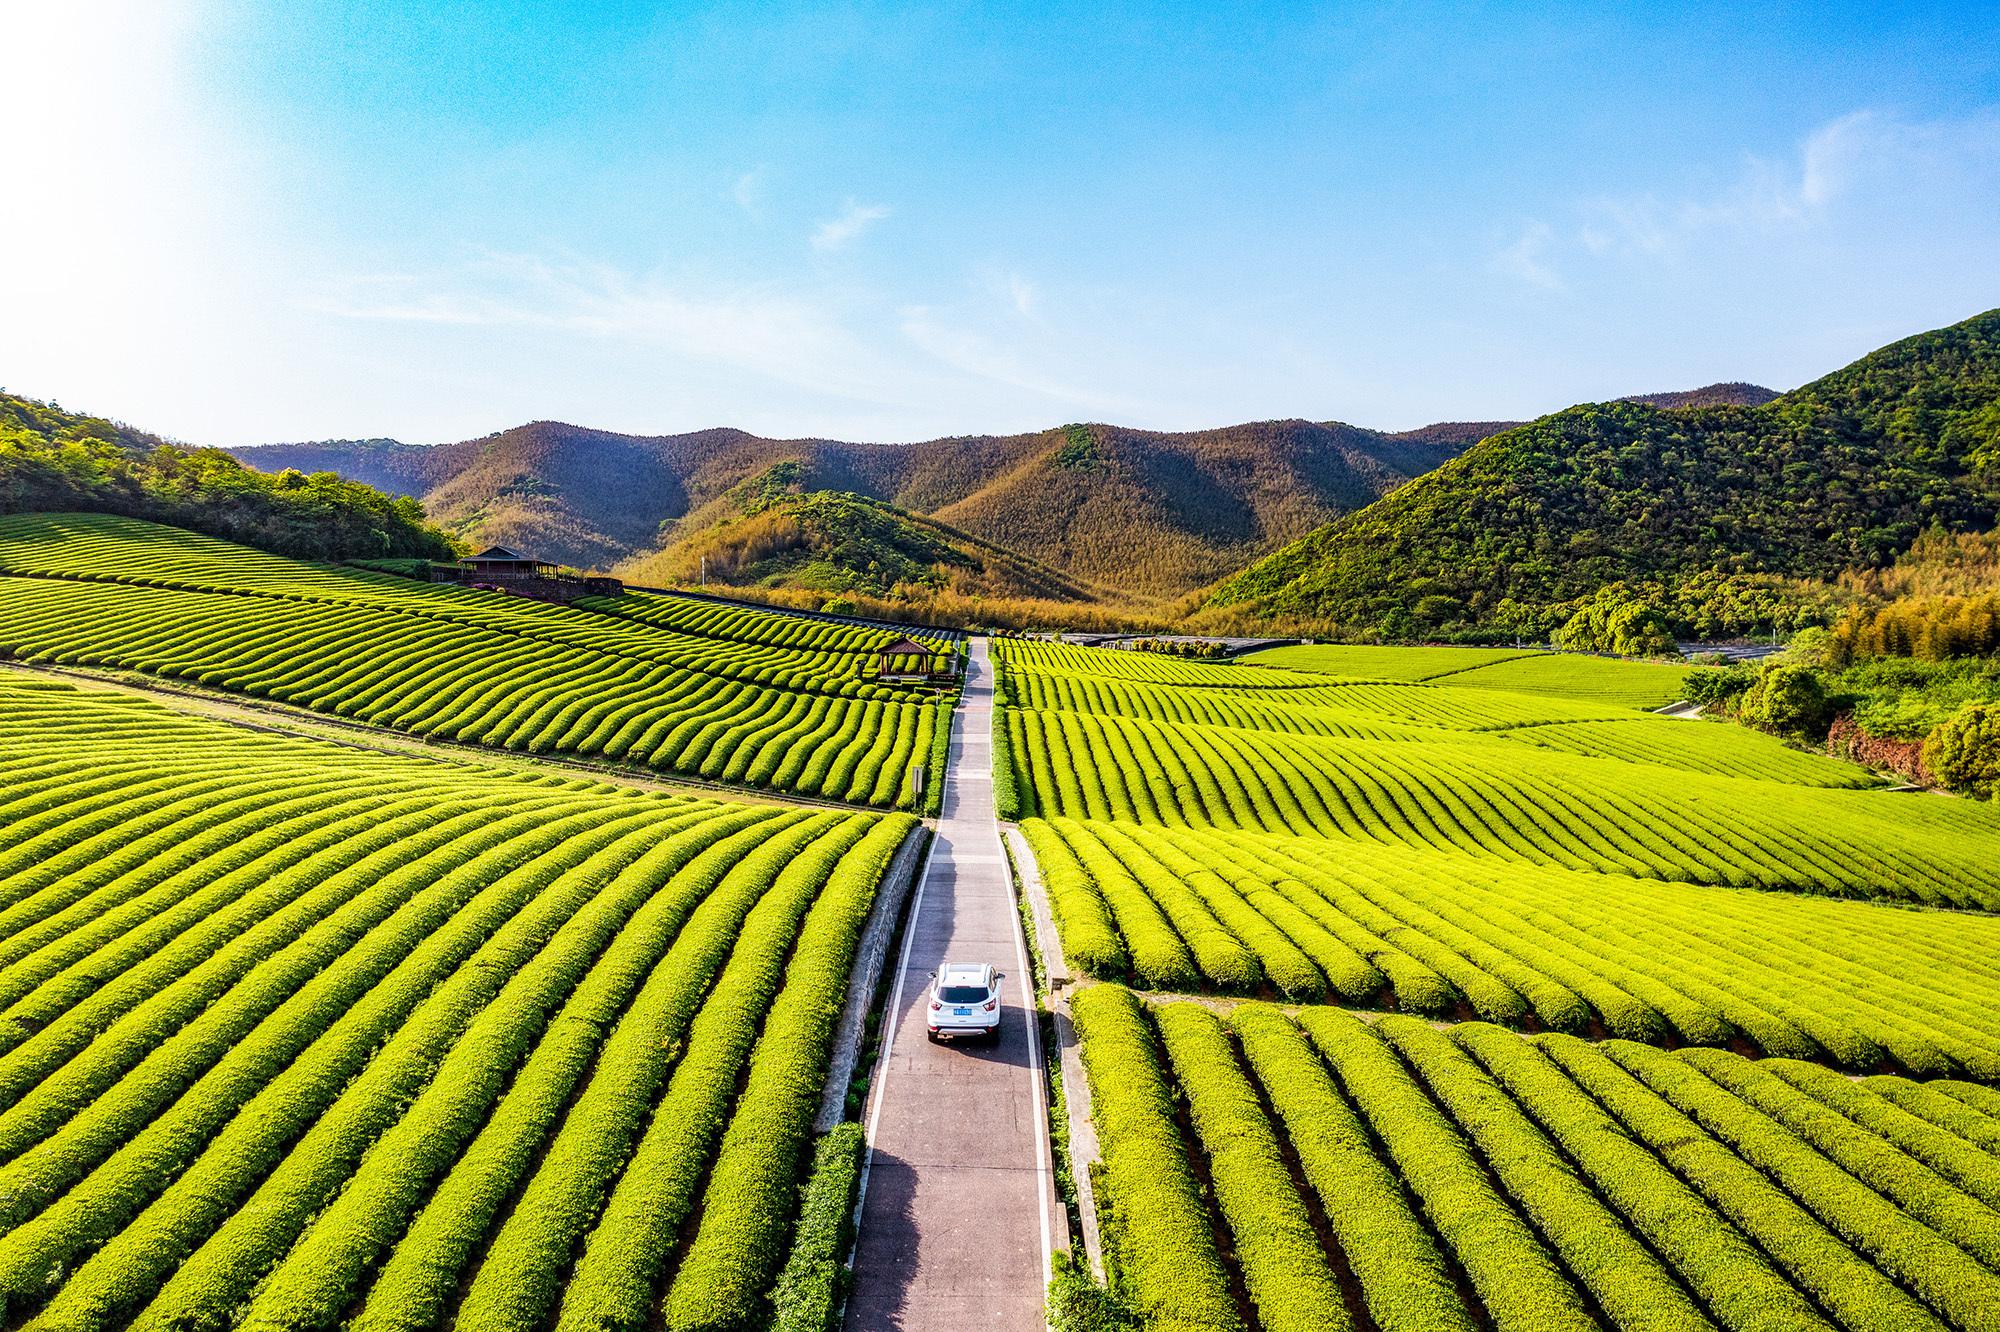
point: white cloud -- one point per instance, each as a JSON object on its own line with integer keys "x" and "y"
{"x": 836, "y": 232}
{"x": 1009, "y": 288}
{"x": 1865, "y": 156}
{"x": 749, "y": 189}
{"x": 1526, "y": 258}
{"x": 772, "y": 333}
{"x": 991, "y": 359}
{"x": 1023, "y": 294}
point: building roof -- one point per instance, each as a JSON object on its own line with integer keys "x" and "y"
{"x": 904, "y": 647}
{"x": 500, "y": 553}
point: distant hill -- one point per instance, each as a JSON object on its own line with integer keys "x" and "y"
{"x": 52, "y": 460}
{"x": 1458, "y": 434}
{"x": 1715, "y": 395}
{"x": 1144, "y": 511}
{"x": 1843, "y": 473}
{"x": 784, "y": 534}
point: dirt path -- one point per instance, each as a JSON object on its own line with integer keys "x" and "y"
{"x": 957, "y": 1199}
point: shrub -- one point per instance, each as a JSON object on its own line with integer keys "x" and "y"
{"x": 1078, "y": 1304}
{"x": 1788, "y": 700}
{"x": 811, "y": 1287}
{"x": 1162, "y": 1233}
{"x": 1718, "y": 689}
{"x": 1964, "y": 752}
{"x": 1283, "y": 1268}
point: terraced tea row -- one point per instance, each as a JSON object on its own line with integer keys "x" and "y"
{"x": 297, "y": 1036}
{"x": 595, "y": 689}
{"x": 1851, "y": 983}
{"x": 710, "y": 620}
{"x": 1446, "y": 704}
{"x": 104, "y": 548}
{"x": 1566, "y": 675}
{"x": 1514, "y": 802}
{"x": 1068, "y": 659}
{"x": 1402, "y": 1177}
{"x": 1366, "y": 709}
{"x": 1374, "y": 661}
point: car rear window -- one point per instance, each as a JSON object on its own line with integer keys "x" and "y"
{"x": 963, "y": 994}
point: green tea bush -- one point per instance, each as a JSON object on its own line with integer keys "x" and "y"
{"x": 1169, "y": 1266}
{"x": 1288, "y": 1277}
{"x": 1475, "y": 1177}
{"x": 810, "y": 1289}
{"x": 335, "y": 1037}
{"x": 720, "y": 693}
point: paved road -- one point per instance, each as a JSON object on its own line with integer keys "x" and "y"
{"x": 957, "y": 1209}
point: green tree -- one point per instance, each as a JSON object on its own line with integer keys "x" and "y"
{"x": 1963, "y": 753}
{"x": 1637, "y": 630}
{"x": 1789, "y": 700}
{"x": 1710, "y": 688}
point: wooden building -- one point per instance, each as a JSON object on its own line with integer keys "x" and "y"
{"x": 500, "y": 562}
{"x": 904, "y": 661}
{"x": 499, "y": 569}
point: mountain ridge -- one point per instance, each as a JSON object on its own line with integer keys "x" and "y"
{"x": 1156, "y": 512}
{"x": 1151, "y": 513}
{"x": 1843, "y": 472}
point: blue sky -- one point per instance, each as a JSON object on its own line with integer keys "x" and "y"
{"x": 261, "y": 221}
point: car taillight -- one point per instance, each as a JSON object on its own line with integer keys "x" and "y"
{"x": 991, "y": 1004}
{"x": 936, "y": 1006}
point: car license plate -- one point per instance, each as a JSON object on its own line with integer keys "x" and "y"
{"x": 961, "y": 1012}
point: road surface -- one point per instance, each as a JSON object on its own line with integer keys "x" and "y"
{"x": 958, "y": 1201}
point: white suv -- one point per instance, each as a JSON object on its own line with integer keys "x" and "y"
{"x": 965, "y": 1001}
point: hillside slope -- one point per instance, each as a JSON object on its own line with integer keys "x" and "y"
{"x": 51, "y": 459}
{"x": 1734, "y": 394}
{"x": 1842, "y": 473}
{"x": 1151, "y": 512}
{"x": 777, "y": 530}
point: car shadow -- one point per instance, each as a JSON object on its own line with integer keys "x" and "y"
{"x": 886, "y": 1253}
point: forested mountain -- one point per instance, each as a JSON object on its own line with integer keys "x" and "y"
{"x": 1144, "y": 511}
{"x": 53, "y": 460}
{"x": 1843, "y": 473}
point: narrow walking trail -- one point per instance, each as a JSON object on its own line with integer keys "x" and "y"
{"x": 958, "y": 1199}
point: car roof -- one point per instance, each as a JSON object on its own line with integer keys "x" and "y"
{"x": 963, "y": 973}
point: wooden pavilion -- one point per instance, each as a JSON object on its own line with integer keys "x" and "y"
{"x": 904, "y": 661}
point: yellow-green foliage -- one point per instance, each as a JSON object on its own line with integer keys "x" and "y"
{"x": 1854, "y": 983}
{"x": 1637, "y": 684}
{"x": 1449, "y": 768}
{"x": 458, "y": 664}
{"x": 1476, "y": 1177}
{"x": 296, "y": 1032}
{"x": 1373, "y": 662}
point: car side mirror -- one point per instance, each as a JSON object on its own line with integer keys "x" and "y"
{"x": 999, "y": 975}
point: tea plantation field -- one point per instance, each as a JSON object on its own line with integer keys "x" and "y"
{"x": 1484, "y": 773}
{"x": 768, "y": 701}
{"x": 296, "y": 1035}
{"x": 1591, "y": 1018}
{"x": 1530, "y": 671}
{"x": 1316, "y": 1173}
{"x": 1546, "y": 862}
